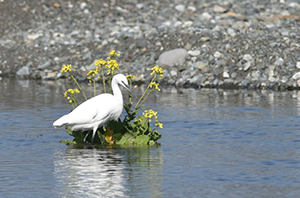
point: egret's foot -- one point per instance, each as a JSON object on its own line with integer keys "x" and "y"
{"x": 84, "y": 139}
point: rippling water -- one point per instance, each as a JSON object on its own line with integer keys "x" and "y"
{"x": 215, "y": 143}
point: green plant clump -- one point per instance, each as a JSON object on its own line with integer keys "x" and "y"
{"x": 136, "y": 128}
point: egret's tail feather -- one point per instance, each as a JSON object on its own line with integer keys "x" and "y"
{"x": 60, "y": 122}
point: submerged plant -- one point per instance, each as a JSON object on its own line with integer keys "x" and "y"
{"x": 136, "y": 128}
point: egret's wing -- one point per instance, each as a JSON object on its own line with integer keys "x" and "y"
{"x": 92, "y": 110}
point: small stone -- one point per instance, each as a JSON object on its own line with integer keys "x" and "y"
{"x": 205, "y": 39}
{"x": 218, "y": 54}
{"x": 51, "y": 74}
{"x": 44, "y": 64}
{"x": 279, "y": 62}
{"x": 139, "y": 5}
{"x": 298, "y": 83}
{"x": 56, "y": 5}
{"x": 296, "y": 76}
{"x": 192, "y": 8}
{"x": 233, "y": 75}
{"x": 219, "y": 9}
{"x": 83, "y": 5}
{"x": 247, "y": 66}
{"x": 194, "y": 52}
{"x": 231, "y": 14}
{"x": 201, "y": 65}
{"x": 142, "y": 43}
{"x": 180, "y": 8}
{"x": 247, "y": 57}
{"x": 205, "y": 16}
{"x": 294, "y": 5}
{"x": 226, "y": 74}
{"x": 173, "y": 72}
{"x": 231, "y": 32}
{"x": 172, "y": 57}
{"x": 298, "y": 64}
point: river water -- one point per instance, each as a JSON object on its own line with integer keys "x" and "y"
{"x": 215, "y": 143}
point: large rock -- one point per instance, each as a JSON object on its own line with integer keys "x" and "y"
{"x": 24, "y": 72}
{"x": 172, "y": 57}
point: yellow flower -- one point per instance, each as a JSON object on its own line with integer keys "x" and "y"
{"x": 92, "y": 73}
{"x": 129, "y": 77}
{"x": 112, "y": 64}
{"x": 66, "y": 69}
{"x": 157, "y": 70}
{"x": 155, "y": 85}
{"x": 159, "y": 124}
{"x": 100, "y": 62}
{"x": 113, "y": 53}
{"x": 71, "y": 91}
{"x": 150, "y": 113}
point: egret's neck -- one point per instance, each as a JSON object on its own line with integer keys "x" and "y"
{"x": 117, "y": 92}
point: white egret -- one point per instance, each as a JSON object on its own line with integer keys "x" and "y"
{"x": 96, "y": 111}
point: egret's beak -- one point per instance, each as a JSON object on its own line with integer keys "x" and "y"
{"x": 127, "y": 87}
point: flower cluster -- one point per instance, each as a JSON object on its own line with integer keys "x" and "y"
{"x": 157, "y": 70}
{"x": 67, "y": 68}
{"x": 92, "y": 74}
{"x": 114, "y": 54}
{"x": 100, "y": 63}
{"x": 70, "y": 94}
{"x": 154, "y": 85}
{"x": 149, "y": 114}
{"x": 130, "y": 76}
{"x": 111, "y": 66}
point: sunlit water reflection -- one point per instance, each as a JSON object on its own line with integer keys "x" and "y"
{"x": 215, "y": 143}
{"x": 108, "y": 173}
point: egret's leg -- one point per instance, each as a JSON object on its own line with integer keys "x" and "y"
{"x": 94, "y": 133}
{"x": 87, "y": 134}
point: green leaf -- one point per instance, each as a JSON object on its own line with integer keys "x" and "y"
{"x": 142, "y": 139}
{"x": 126, "y": 139}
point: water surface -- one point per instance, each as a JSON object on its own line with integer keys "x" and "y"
{"x": 215, "y": 143}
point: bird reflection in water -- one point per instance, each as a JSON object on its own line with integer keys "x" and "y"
{"x": 109, "y": 172}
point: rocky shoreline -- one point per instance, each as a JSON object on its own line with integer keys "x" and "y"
{"x": 217, "y": 44}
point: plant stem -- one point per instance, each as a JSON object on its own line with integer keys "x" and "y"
{"x": 95, "y": 92}
{"x": 149, "y": 92}
{"x": 79, "y": 87}
{"x": 138, "y": 104}
{"x": 103, "y": 80}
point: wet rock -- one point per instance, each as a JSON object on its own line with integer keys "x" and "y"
{"x": 172, "y": 57}
{"x": 23, "y": 72}
{"x": 44, "y": 64}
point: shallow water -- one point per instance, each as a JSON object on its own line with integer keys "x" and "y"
{"x": 215, "y": 143}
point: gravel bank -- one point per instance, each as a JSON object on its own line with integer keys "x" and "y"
{"x": 226, "y": 44}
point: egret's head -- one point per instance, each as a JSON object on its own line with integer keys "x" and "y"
{"x": 121, "y": 80}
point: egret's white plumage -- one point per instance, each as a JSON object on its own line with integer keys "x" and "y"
{"x": 96, "y": 111}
